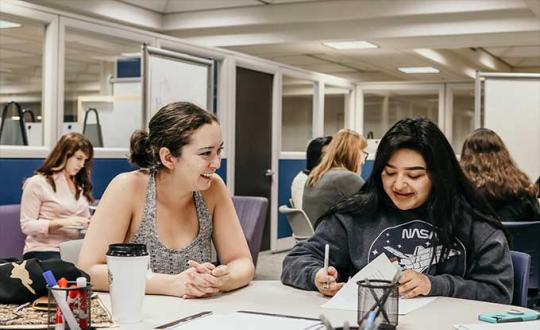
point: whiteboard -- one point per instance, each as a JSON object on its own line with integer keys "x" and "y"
{"x": 512, "y": 110}
{"x": 174, "y": 77}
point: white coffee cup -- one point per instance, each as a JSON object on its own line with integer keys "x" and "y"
{"x": 127, "y": 268}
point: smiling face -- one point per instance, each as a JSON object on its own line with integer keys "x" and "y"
{"x": 75, "y": 163}
{"x": 405, "y": 179}
{"x": 200, "y": 158}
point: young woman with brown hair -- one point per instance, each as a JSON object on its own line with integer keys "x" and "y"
{"x": 176, "y": 206}
{"x": 337, "y": 176}
{"x": 55, "y": 200}
{"x": 487, "y": 163}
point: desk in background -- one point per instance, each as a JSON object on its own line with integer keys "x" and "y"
{"x": 273, "y": 297}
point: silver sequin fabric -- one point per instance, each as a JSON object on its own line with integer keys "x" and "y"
{"x": 162, "y": 259}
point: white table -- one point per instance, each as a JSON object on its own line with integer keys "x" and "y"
{"x": 273, "y": 297}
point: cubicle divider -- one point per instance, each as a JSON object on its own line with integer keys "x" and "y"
{"x": 16, "y": 170}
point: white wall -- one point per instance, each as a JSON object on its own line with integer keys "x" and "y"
{"x": 512, "y": 110}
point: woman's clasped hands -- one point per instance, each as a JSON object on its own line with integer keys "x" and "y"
{"x": 203, "y": 280}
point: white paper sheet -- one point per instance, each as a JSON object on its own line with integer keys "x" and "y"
{"x": 529, "y": 325}
{"x": 238, "y": 320}
{"x": 379, "y": 268}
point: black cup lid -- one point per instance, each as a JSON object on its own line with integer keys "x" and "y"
{"x": 127, "y": 250}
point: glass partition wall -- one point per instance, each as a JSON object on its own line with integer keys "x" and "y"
{"x": 296, "y": 114}
{"x": 384, "y": 107}
{"x": 460, "y": 102}
{"x": 102, "y": 83}
{"x": 335, "y": 109}
{"x": 21, "y": 82}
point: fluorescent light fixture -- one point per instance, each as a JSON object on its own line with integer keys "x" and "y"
{"x": 7, "y": 24}
{"x": 130, "y": 54}
{"x": 349, "y": 44}
{"x": 418, "y": 69}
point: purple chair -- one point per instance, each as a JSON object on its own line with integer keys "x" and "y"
{"x": 11, "y": 237}
{"x": 252, "y": 214}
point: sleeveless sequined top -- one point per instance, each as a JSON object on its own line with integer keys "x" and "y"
{"x": 162, "y": 259}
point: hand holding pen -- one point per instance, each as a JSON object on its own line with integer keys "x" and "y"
{"x": 325, "y": 279}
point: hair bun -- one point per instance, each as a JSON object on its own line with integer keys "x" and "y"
{"x": 140, "y": 150}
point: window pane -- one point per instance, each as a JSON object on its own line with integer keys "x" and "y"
{"x": 334, "y": 109}
{"x": 463, "y": 117}
{"x": 382, "y": 109}
{"x": 102, "y": 75}
{"x": 297, "y": 114}
{"x": 21, "y": 66}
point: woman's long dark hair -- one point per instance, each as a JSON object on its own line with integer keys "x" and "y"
{"x": 314, "y": 152}
{"x": 452, "y": 194}
{"x": 66, "y": 147}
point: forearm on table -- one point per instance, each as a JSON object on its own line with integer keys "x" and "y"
{"x": 241, "y": 272}
{"x": 156, "y": 284}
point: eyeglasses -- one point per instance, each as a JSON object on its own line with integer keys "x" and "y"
{"x": 366, "y": 155}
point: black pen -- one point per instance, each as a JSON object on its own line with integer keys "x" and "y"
{"x": 280, "y": 315}
{"x": 183, "y": 320}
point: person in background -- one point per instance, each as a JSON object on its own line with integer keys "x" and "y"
{"x": 487, "y": 163}
{"x": 420, "y": 210}
{"x": 54, "y": 203}
{"x": 337, "y": 176}
{"x": 316, "y": 148}
{"x": 176, "y": 205}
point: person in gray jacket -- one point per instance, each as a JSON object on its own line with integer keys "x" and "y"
{"x": 337, "y": 176}
{"x": 420, "y": 210}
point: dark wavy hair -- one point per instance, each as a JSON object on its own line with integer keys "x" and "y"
{"x": 452, "y": 194}
{"x": 66, "y": 147}
{"x": 171, "y": 127}
{"x": 487, "y": 163}
{"x": 314, "y": 152}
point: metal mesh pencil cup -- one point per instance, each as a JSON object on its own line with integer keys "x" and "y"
{"x": 380, "y": 297}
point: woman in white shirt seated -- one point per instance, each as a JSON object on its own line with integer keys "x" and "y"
{"x": 315, "y": 150}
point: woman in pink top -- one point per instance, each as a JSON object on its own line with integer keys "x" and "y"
{"x": 54, "y": 203}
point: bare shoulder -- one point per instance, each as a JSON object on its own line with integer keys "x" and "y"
{"x": 217, "y": 191}
{"x": 128, "y": 186}
{"x": 131, "y": 180}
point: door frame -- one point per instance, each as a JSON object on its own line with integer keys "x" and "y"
{"x": 256, "y": 65}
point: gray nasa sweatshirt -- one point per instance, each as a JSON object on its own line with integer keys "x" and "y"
{"x": 405, "y": 236}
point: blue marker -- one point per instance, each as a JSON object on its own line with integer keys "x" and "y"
{"x": 370, "y": 320}
{"x": 49, "y": 278}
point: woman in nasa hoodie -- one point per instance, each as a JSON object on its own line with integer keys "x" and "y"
{"x": 420, "y": 210}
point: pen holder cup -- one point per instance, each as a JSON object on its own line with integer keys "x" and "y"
{"x": 381, "y": 298}
{"x": 77, "y": 300}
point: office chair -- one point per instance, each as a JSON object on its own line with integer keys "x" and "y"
{"x": 11, "y": 236}
{"x": 525, "y": 239}
{"x": 69, "y": 250}
{"x": 251, "y": 212}
{"x": 301, "y": 227}
{"x": 522, "y": 263}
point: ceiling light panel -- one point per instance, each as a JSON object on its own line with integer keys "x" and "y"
{"x": 418, "y": 69}
{"x": 342, "y": 45}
